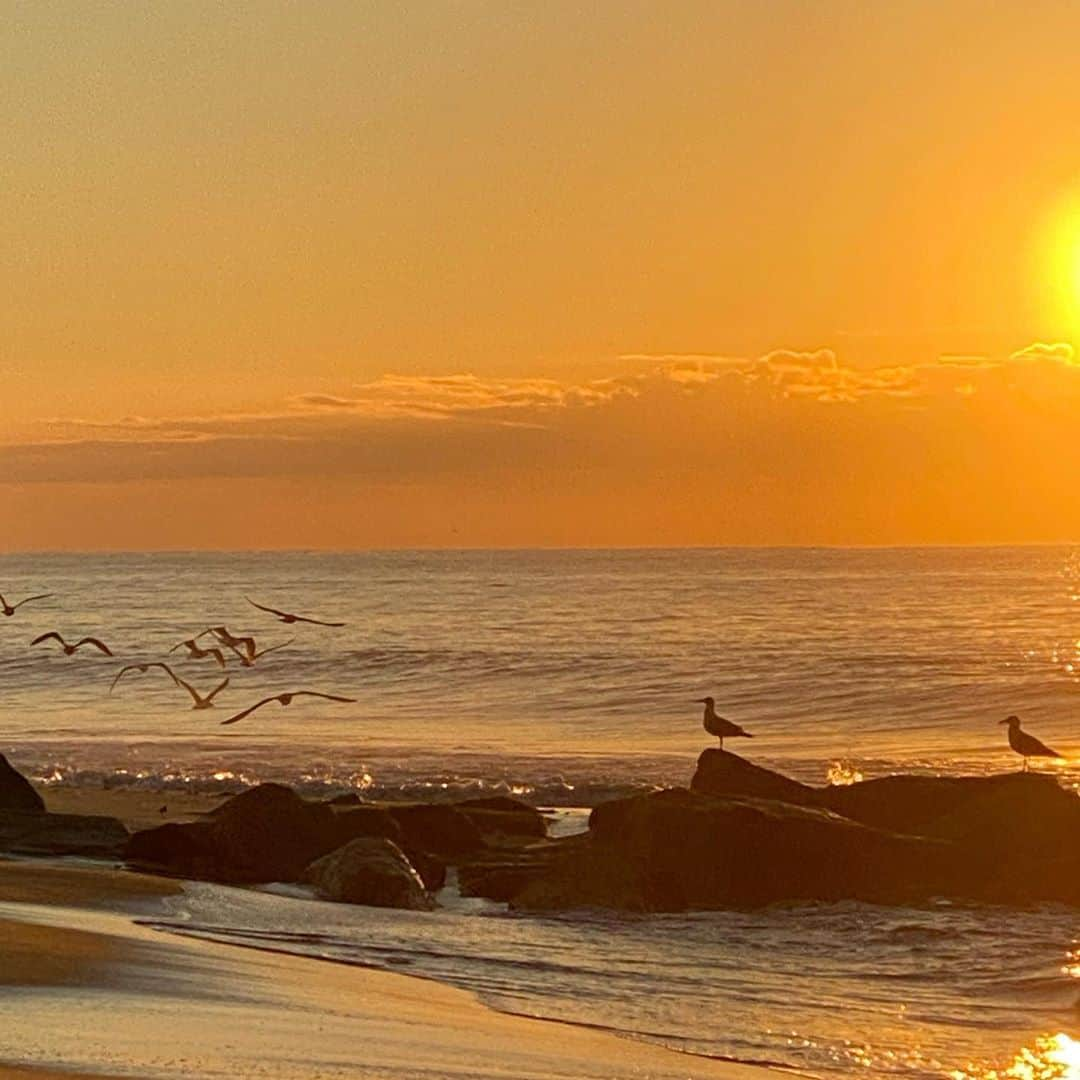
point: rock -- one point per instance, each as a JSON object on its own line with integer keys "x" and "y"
{"x": 438, "y": 829}
{"x": 372, "y": 871}
{"x": 502, "y": 875}
{"x": 16, "y": 792}
{"x": 499, "y": 815}
{"x": 720, "y": 772}
{"x": 179, "y": 849}
{"x": 678, "y": 850}
{"x": 36, "y": 833}
{"x": 349, "y": 798}
{"x": 355, "y": 823}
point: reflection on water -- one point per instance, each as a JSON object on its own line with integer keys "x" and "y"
{"x": 1052, "y": 1057}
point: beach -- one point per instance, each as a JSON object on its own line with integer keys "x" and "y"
{"x": 88, "y": 991}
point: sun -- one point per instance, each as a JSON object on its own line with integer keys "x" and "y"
{"x": 1063, "y": 255}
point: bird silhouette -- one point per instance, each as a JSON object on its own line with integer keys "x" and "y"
{"x": 10, "y": 609}
{"x": 202, "y": 701}
{"x": 143, "y": 668}
{"x": 288, "y": 617}
{"x": 1024, "y": 744}
{"x": 70, "y": 649}
{"x": 718, "y": 726}
{"x": 249, "y": 661}
{"x": 197, "y": 652}
{"x": 223, "y": 635}
{"x": 285, "y": 699}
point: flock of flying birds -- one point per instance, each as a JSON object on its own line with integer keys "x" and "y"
{"x": 244, "y": 649}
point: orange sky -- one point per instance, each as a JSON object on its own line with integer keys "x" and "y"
{"x": 488, "y": 274}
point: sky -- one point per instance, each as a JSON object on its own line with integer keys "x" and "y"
{"x": 348, "y": 275}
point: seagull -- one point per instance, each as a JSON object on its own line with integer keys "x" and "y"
{"x": 223, "y": 635}
{"x": 249, "y": 661}
{"x": 286, "y": 699}
{"x": 201, "y": 701}
{"x": 717, "y": 725}
{"x": 286, "y": 617}
{"x": 69, "y": 649}
{"x": 196, "y": 652}
{"x": 1025, "y": 744}
{"x": 143, "y": 668}
{"x": 10, "y": 609}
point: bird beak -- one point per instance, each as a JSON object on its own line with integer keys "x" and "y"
{"x": 699, "y": 701}
{"x": 1003, "y": 722}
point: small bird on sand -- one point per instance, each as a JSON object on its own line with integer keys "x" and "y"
{"x": 286, "y": 699}
{"x": 1025, "y": 744}
{"x": 197, "y": 652}
{"x": 70, "y": 649}
{"x": 288, "y": 617}
{"x": 718, "y": 726}
{"x": 10, "y": 609}
{"x": 223, "y": 635}
{"x": 143, "y": 668}
{"x": 249, "y": 661}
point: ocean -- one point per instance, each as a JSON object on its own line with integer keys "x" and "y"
{"x": 567, "y": 677}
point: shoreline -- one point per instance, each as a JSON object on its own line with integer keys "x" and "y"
{"x": 109, "y": 996}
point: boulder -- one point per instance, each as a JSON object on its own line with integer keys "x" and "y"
{"x": 439, "y": 829}
{"x": 678, "y": 850}
{"x": 720, "y": 772}
{"x": 372, "y": 871}
{"x": 179, "y": 849}
{"x": 503, "y": 874}
{"x": 498, "y": 816}
{"x": 34, "y": 833}
{"x": 348, "y": 798}
{"x": 16, "y": 792}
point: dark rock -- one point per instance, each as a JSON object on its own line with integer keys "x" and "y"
{"x": 355, "y": 823}
{"x": 430, "y": 867}
{"x": 180, "y": 849}
{"x": 349, "y": 798}
{"x": 499, "y": 815}
{"x": 16, "y": 792}
{"x": 722, "y": 773}
{"x": 35, "y": 833}
{"x": 372, "y": 871}
{"x": 678, "y": 850}
{"x": 502, "y": 875}
{"x": 438, "y": 829}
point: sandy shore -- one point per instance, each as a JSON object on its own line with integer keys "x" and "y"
{"x": 86, "y": 991}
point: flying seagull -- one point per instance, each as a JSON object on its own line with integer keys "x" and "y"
{"x": 249, "y": 661}
{"x": 223, "y": 635}
{"x": 10, "y": 609}
{"x": 1025, "y": 744}
{"x": 144, "y": 668}
{"x": 286, "y": 699}
{"x": 201, "y": 701}
{"x": 69, "y": 649}
{"x": 288, "y": 617}
{"x": 196, "y": 652}
{"x": 718, "y": 726}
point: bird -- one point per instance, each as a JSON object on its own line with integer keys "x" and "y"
{"x": 202, "y": 701}
{"x": 196, "y": 652}
{"x": 143, "y": 668}
{"x": 288, "y": 617}
{"x": 223, "y": 635}
{"x": 10, "y": 609}
{"x": 69, "y": 649}
{"x": 286, "y": 699}
{"x": 249, "y": 661}
{"x": 718, "y": 726}
{"x": 1025, "y": 744}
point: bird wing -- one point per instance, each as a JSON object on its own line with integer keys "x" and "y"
{"x": 217, "y": 689}
{"x": 274, "y": 648}
{"x": 233, "y": 649}
{"x": 121, "y": 672}
{"x": 217, "y": 655}
{"x": 181, "y": 644}
{"x": 96, "y": 643}
{"x": 15, "y": 607}
{"x": 316, "y": 622}
{"x": 188, "y": 687}
{"x": 329, "y": 697}
{"x": 272, "y": 611}
{"x": 249, "y": 711}
{"x": 1032, "y": 747}
{"x": 48, "y": 637}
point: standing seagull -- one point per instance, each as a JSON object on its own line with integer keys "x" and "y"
{"x": 288, "y": 617}
{"x": 718, "y": 726}
{"x": 286, "y": 699}
{"x": 10, "y": 609}
{"x": 69, "y": 649}
{"x": 1025, "y": 744}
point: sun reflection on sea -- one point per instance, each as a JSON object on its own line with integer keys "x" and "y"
{"x": 842, "y": 773}
{"x": 1052, "y": 1057}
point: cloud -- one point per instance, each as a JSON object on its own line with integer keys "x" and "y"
{"x": 1059, "y": 350}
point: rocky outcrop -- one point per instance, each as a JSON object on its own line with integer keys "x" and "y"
{"x": 500, "y": 815}
{"x": 677, "y": 850}
{"x": 372, "y": 871}
{"x": 16, "y": 792}
{"x": 720, "y": 772}
{"x": 439, "y": 829}
{"x": 33, "y": 833}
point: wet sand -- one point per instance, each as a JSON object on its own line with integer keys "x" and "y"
{"x": 86, "y": 989}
